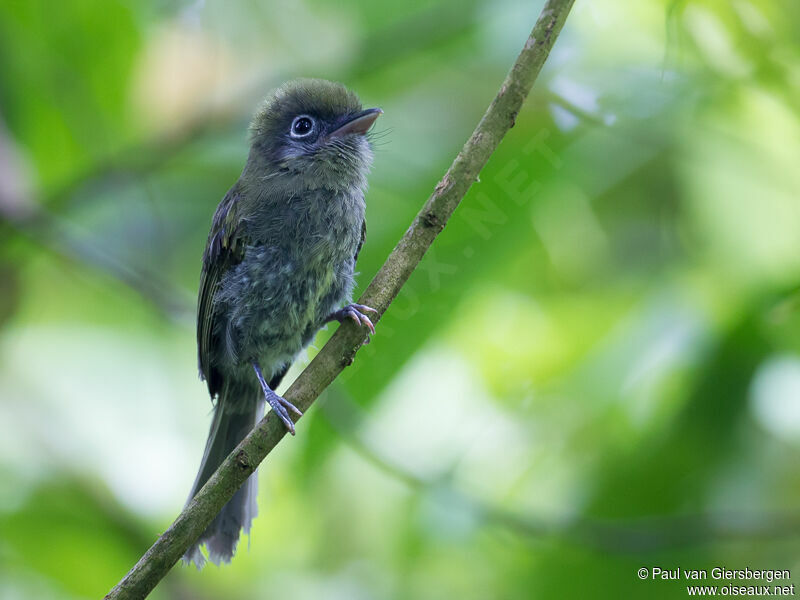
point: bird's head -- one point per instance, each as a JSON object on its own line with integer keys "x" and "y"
{"x": 315, "y": 132}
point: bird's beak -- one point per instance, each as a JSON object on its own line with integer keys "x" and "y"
{"x": 358, "y": 123}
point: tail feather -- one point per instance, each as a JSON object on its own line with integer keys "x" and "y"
{"x": 232, "y": 422}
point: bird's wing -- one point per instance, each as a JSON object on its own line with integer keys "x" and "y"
{"x": 225, "y": 248}
{"x": 363, "y": 237}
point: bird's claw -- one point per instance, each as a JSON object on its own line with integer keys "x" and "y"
{"x": 356, "y": 313}
{"x": 279, "y": 404}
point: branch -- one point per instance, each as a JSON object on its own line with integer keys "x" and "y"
{"x": 58, "y": 236}
{"x": 340, "y": 350}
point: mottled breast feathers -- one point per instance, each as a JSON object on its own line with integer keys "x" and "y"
{"x": 227, "y": 243}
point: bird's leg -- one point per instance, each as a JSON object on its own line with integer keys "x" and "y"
{"x": 278, "y": 403}
{"x": 354, "y": 312}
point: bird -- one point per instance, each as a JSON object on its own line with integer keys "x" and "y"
{"x": 279, "y": 263}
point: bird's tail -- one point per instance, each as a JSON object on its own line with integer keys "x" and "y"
{"x": 233, "y": 419}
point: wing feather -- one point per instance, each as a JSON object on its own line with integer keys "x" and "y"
{"x": 363, "y": 237}
{"x": 224, "y": 249}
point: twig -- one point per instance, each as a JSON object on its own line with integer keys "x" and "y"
{"x": 58, "y": 236}
{"x": 340, "y": 350}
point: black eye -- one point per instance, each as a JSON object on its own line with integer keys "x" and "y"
{"x": 302, "y": 126}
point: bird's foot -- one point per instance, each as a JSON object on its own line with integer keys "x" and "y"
{"x": 280, "y": 405}
{"x": 356, "y": 313}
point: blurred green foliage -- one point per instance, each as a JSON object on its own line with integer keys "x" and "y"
{"x": 596, "y": 369}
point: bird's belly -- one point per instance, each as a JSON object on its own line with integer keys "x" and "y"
{"x": 277, "y": 304}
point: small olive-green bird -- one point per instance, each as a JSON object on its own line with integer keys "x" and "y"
{"x": 279, "y": 263}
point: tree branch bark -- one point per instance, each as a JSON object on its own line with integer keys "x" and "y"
{"x": 340, "y": 350}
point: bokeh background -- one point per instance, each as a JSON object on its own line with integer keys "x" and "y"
{"x": 597, "y": 368}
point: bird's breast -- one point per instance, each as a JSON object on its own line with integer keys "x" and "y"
{"x": 324, "y": 227}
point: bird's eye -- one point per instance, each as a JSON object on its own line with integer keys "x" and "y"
{"x": 302, "y": 126}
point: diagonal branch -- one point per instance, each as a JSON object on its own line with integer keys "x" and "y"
{"x": 340, "y": 350}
